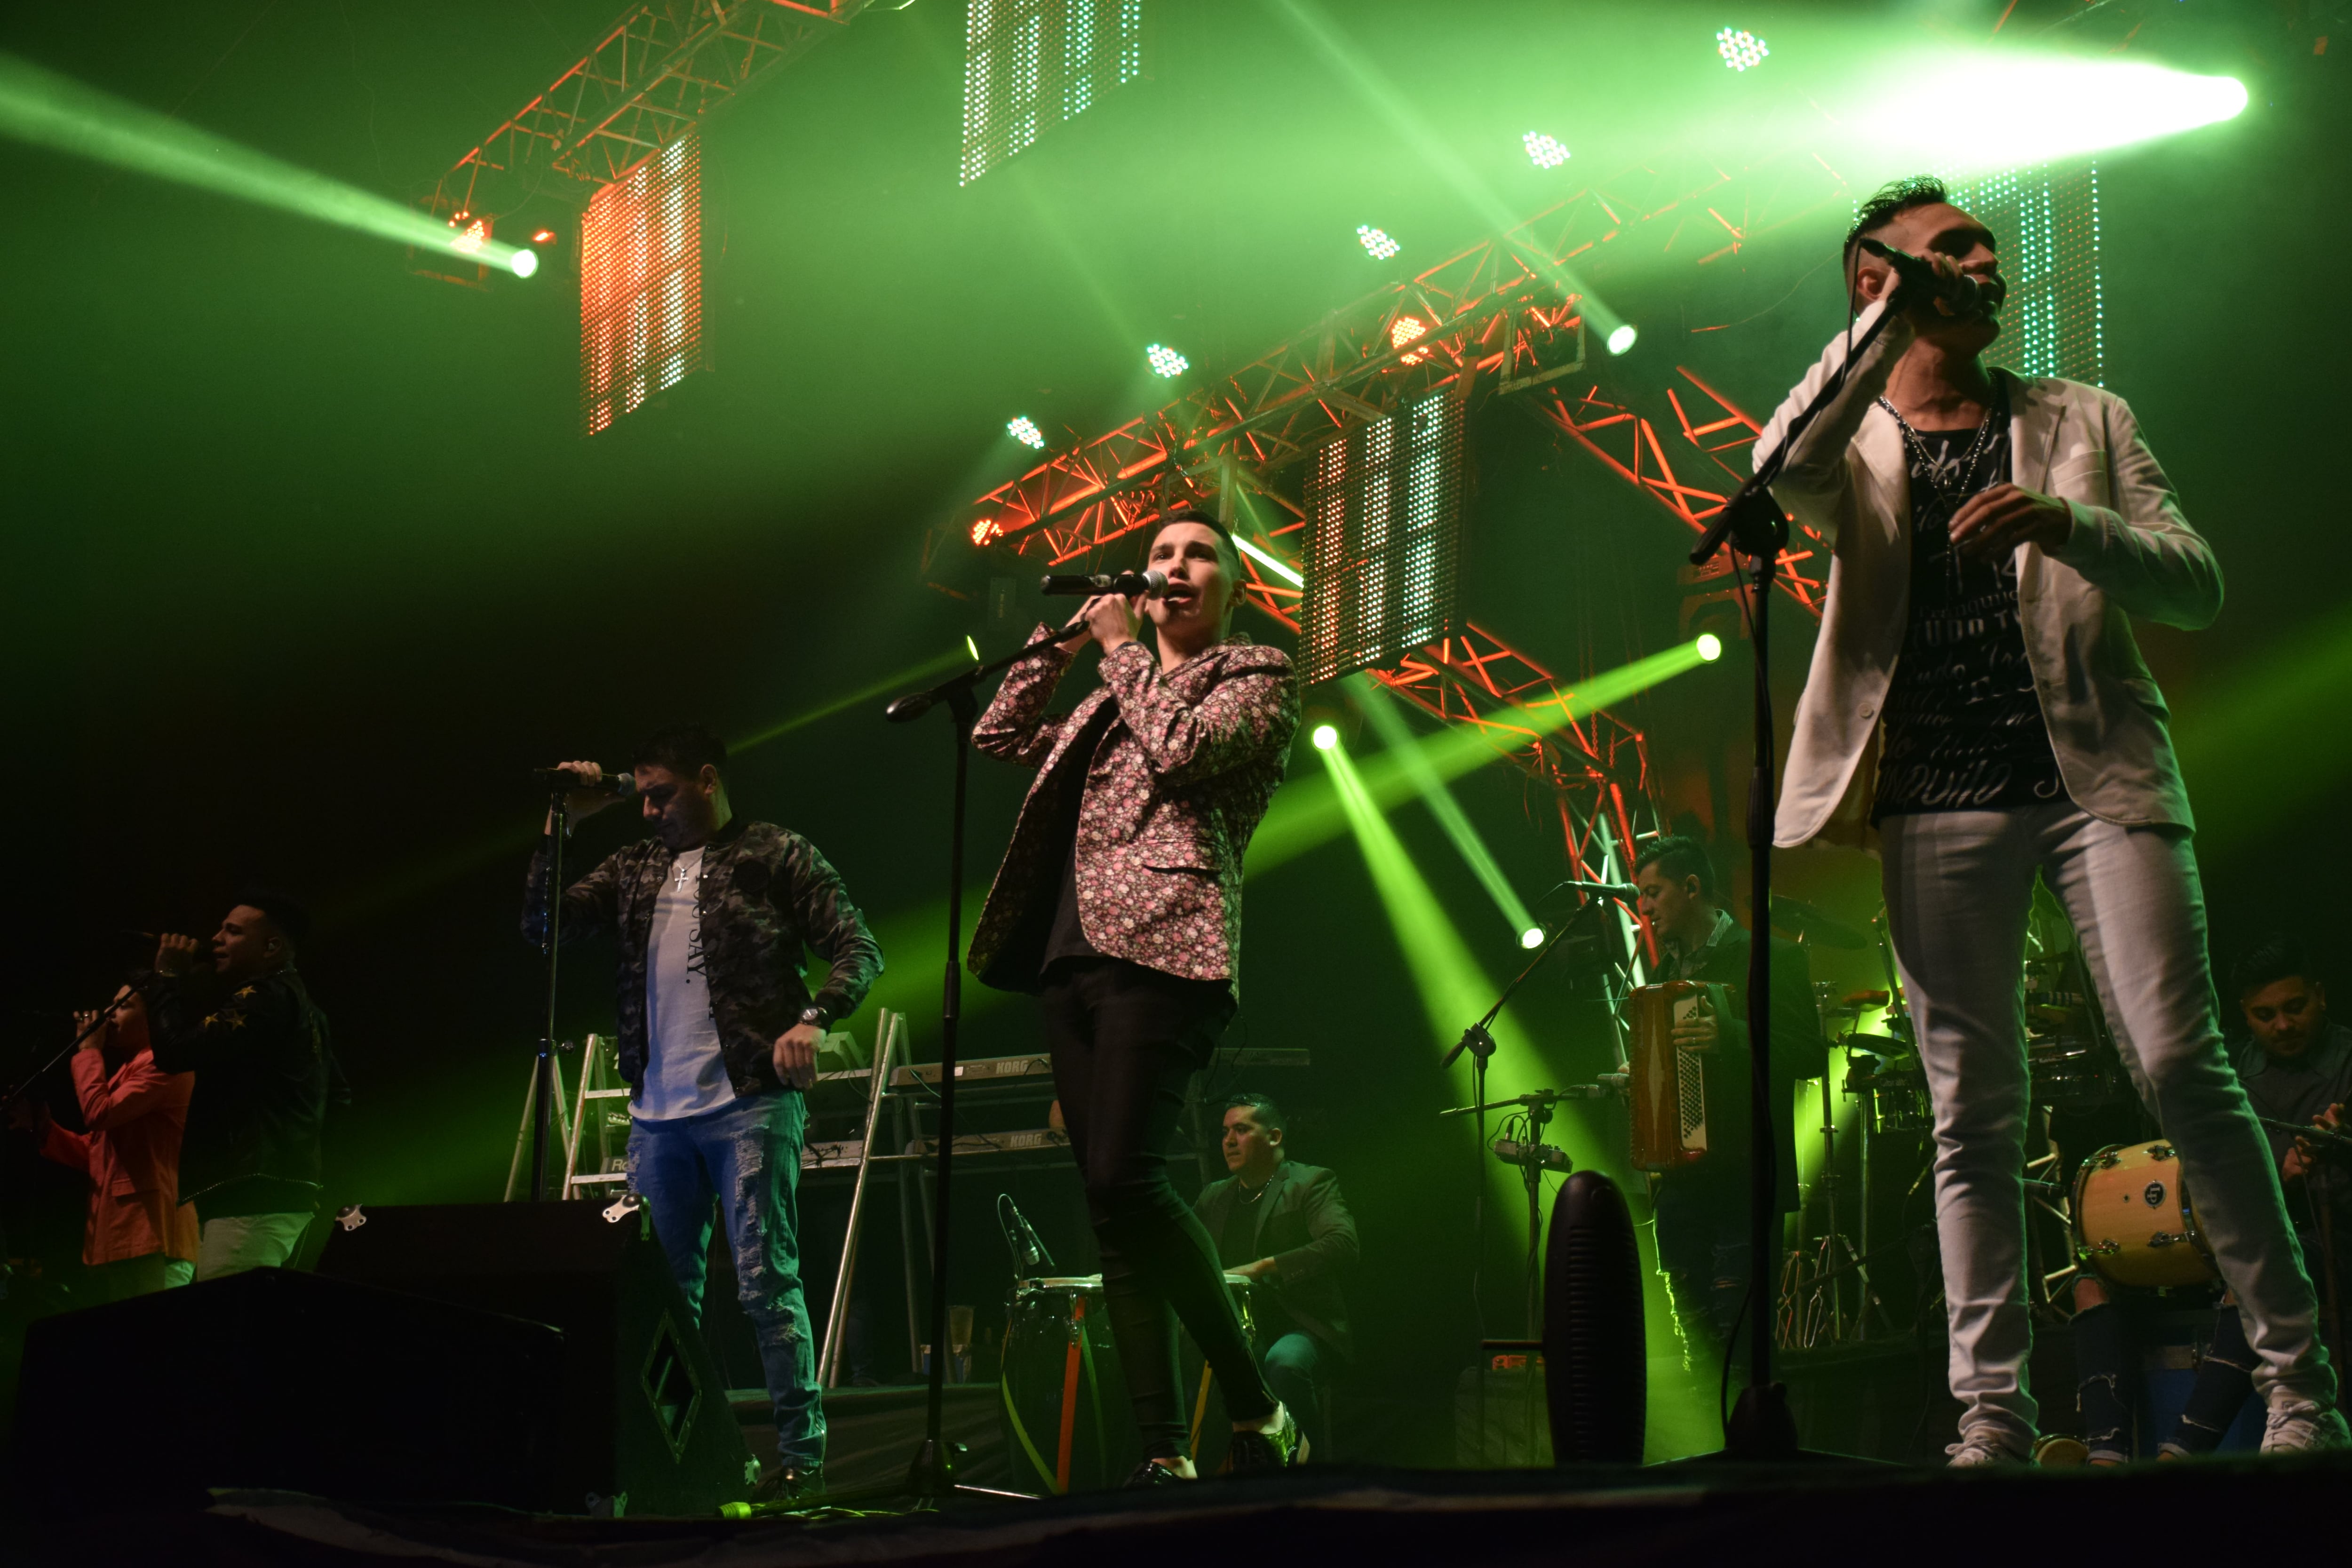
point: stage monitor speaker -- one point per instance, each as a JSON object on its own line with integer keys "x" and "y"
{"x": 279, "y": 1381}
{"x": 645, "y": 1423}
{"x": 1598, "y": 1387}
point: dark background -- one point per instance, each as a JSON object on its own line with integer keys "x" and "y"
{"x": 308, "y": 564}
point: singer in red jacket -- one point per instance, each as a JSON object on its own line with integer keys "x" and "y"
{"x": 138, "y": 1236}
{"x": 1120, "y": 904}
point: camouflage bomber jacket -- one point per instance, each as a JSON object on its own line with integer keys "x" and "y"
{"x": 765, "y": 895}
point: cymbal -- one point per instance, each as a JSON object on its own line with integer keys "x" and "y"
{"x": 1814, "y": 924}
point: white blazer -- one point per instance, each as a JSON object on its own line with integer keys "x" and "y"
{"x": 2130, "y": 554}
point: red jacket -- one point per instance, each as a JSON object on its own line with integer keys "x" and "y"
{"x": 130, "y": 1153}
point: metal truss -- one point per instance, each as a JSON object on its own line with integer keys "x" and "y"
{"x": 1503, "y": 317}
{"x": 660, "y": 71}
{"x": 1626, "y": 442}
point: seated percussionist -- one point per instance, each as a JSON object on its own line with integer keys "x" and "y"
{"x": 1702, "y": 1222}
{"x": 1285, "y": 1227}
{"x": 2296, "y": 1066}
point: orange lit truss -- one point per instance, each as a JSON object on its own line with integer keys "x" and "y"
{"x": 1503, "y": 318}
{"x": 652, "y": 76}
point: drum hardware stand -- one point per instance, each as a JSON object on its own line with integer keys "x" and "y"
{"x": 547, "y": 1080}
{"x": 1480, "y": 1043}
{"x": 931, "y": 1475}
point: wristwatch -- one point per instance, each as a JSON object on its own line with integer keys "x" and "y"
{"x": 813, "y": 1015}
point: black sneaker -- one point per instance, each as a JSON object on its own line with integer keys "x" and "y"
{"x": 1277, "y": 1447}
{"x": 789, "y": 1485}
{"x": 1153, "y": 1473}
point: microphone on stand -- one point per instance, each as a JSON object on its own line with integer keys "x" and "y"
{"x": 622, "y": 784}
{"x": 1029, "y": 1255}
{"x": 1079, "y": 584}
{"x": 1965, "y": 294}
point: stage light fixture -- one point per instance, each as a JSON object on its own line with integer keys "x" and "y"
{"x": 1166, "y": 360}
{"x": 1326, "y": 736}
{"x": 471, "y": 237}
{"x": 1709, "y": 646}
{"x": 1621, "y": 338}
{"x": 971, "y": 647}
{"x": 544, "y": 237}
{"x": 1545, "y": 152}
{"x": 1532, "y": 937}
{"x": 1376, "y": 243}
{"x": 1024, "y": 430}
{"x": 986, "y": 532}
{"x": 524, "y": 262}
{"x": 1405, "y": 330}
{"x": 1742, "y": 49}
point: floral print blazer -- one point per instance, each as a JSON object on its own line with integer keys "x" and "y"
{"x": 1170, "y": 797}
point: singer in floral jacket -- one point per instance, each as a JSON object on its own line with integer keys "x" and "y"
{"x": 1118, "y": 904}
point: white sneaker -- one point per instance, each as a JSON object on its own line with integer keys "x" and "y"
{"x": 2298, "y": 1426}
{"x": 1979, "y": 1448}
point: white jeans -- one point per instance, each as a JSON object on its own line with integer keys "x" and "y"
{"x": 233, "y": 1245}
{"x": 1958, "y": 888}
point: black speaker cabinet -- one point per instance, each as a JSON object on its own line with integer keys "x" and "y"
{"x": 646, "y": 1428}
{"x": 282, "y": 1381}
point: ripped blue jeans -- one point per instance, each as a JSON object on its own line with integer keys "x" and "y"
{"x": 748, "y": 1155}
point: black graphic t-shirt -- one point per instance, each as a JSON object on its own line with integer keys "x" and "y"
{"x": 1963, "y": 727}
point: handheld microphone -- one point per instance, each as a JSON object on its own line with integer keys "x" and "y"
{"x": 1965, "y": 294}
{"x": 622, "y": 784}
{"x": 1079, "y": 584}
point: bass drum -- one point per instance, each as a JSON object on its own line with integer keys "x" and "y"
{"x": 1064, "y": 1403}
{"x": 2134, "y": 1221}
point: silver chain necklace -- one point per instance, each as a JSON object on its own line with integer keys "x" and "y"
{"x": 1964, "y": 466}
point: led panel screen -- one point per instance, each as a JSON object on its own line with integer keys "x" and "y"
{"x": 641, "y": 285}
{"x": 1029, "y": 64}
{"x": 1384, "y": 539}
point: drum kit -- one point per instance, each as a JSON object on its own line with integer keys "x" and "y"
{"x": 2077, "y": 1078}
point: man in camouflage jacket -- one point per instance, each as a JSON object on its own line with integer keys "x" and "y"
{"x": 718, "y": 1038}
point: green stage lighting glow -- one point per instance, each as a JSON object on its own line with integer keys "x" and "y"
{"x": 1166, "y": 360}
{"x": 1708, "y": 646}
{"x": 1621, "y": 339}
{"x": 1326, "y": 736}
{"x": 1270, "y": 561}
{"x": 1024, "y": 430}
{"x": 524, "y": 262}
{"x": 1742, "y": 49}
{"x": 971, "y": 647}
{"x": 2034, "y": 110}
{"x": 1532, "y": 937}
{"x": 1305, "y": 816}
{"x": 1402, "y": 745}
{"x": 1378, "y": 244}
{"x": 52, "y": 110}
{"x": 1544, "y": 152}
{"x": 888, "y": 686}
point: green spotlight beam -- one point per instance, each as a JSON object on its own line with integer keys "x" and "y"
{"x": 2030, "y": 109}
{"x": 1380, "y": 710}
{"x": 1454, "y": 992}
{"x": 1372, "y": 85}
{"x": 2230, "y": 729}
{"x": 1308, "y": 814}
{"x": 887, "y": 686}
{"x": 55, "y": 111}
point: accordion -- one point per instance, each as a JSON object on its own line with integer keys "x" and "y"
{"x": 1664, "y": 1084}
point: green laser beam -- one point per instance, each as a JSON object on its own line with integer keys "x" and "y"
{"x": 1309, "y": 813}
{"x": 1380, "y": 711}
{"x": 881, "y": 688}
{"x": 1373, "y": 86}
{"x": 2248, "y": 745}
{"x": 51, "y": 110}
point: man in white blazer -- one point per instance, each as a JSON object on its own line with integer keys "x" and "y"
{"x": 1976, "y": 701}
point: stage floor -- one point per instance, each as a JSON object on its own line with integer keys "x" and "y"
{"x": 1696, "y": 1511}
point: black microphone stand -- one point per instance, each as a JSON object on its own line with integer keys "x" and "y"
{"x": 542, "y": 1083}
{"x": 932, "y": 1474}
{"x": 1752, "y": 522}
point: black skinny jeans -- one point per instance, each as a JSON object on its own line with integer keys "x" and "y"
{"x": 1125, "y": 1041}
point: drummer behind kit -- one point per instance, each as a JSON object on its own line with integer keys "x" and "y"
{"x": 1665, "y": 1083}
